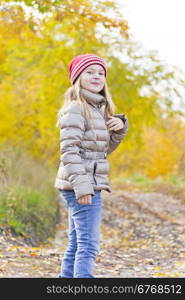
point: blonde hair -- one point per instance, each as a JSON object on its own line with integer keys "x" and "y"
{"x": 73, "y": 94}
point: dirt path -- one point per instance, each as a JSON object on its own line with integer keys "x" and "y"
{"x": 142, "y": 235}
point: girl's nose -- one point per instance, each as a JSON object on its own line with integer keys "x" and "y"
{"x": 96, "y": 76}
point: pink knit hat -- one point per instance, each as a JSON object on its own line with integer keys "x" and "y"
{"x": 81, "y": 62}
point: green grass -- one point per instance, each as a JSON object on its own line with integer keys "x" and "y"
{"x": 30, "y": 213}
{"x": 28, "y": 200}
{"x": 171, "y": 185}
{"x": 141, "y": 179}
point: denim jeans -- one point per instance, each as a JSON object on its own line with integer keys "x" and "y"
{"x": 83, "y": 235}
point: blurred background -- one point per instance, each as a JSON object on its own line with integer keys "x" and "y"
{"x": 143, "y": 45}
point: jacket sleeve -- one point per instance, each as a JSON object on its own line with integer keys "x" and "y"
{"x": 72, "y": 127}
{"x": 117, "y": 136}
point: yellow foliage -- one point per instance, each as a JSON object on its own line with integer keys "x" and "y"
{"x": 162, "y": 150}
{"x": 34, "y": 76}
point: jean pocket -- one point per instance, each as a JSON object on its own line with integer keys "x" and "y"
{"x": 68, "y": 197}
{"x": 96, "y": 199}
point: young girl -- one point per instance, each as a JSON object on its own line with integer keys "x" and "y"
{"x": 89, "y": 131}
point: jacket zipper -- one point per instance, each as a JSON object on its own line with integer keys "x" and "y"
{"x": 95, "y": 166}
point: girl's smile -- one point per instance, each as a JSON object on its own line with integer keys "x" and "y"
{"x": 95, "y": 83}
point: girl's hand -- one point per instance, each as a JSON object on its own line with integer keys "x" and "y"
{"x": 114, "y": 123}
{"x": 86, "y": 199}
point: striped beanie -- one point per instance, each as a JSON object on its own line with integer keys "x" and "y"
{"x": 81, "y": 62}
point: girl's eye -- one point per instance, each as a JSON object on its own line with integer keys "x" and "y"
{"x": 99, "y": 73}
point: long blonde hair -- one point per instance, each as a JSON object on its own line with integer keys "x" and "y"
{"x": 73, "y": 93}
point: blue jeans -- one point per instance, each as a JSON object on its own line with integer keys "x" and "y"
{"x": 83, "y": 235}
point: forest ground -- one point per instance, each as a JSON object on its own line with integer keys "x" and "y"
{"x": 142, "y": 235}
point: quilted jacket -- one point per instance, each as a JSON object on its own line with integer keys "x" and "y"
{"x": 84, "y": 166}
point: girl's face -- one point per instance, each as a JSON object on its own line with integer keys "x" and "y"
{"x": 93, "y": 78}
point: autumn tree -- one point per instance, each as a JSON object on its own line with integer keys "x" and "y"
{"x": 35, "y": 51}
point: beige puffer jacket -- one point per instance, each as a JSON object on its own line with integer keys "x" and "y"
{"x": 83, "y": 164}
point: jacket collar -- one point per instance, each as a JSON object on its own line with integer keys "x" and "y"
{"x": 96, "y": 100}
